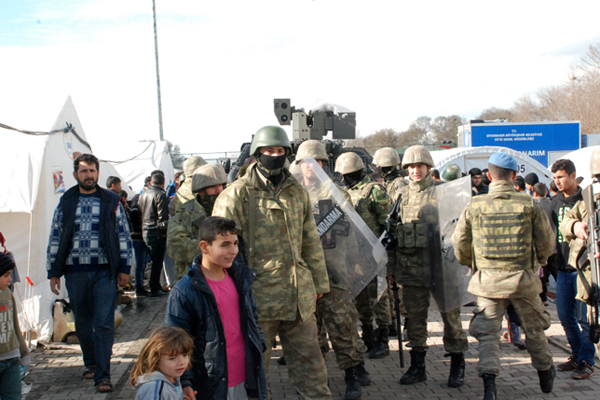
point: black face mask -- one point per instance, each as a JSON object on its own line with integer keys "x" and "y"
{"x": 272, "y": 162}
{"x": 389, "y": 173}
{"x": 353, "y": 178}
{"x": 207, "y": 201}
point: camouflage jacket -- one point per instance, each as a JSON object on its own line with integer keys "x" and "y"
{"x": 578, "y": 213}
{"x": 394, "y": 187}
{"x": 372, "y": 203}
{"x": 417, "y": 239}
{"x": 182, "y": 196}
{"x": 498, "y": 282}
{"x": 287, "y": 256}
{"x": 182, "y": 235}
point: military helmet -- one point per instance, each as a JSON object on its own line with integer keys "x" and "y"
{"x": 595, "y": 162}
{"x": 417, "y": 154}
{"x": 386, "y": 157}
{"x": 451, "y": 172}
{"x": 270, "y": 136}
{"x": 191, "y": 163}
{"x": 208, "y": 175}
{"x": 311, "y": 148}
{"x": 348, "y": 162}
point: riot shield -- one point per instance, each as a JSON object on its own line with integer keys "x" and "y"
{"x": 353, "y": 254}
{"x": 450, "y": 279}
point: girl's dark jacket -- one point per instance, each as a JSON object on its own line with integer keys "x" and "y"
{"x": 192, "y": 306}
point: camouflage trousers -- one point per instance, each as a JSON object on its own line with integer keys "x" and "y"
{"x": 381, "y": 310}
{"x": 340, "y": 320}
{"x": 306, "y": 366}
{"x": 416, "y": 300}
{"x": 486, "y": 325}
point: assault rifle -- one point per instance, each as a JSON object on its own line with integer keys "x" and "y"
{"x": 590, "y": 257}
{"x": 390, "y": 240}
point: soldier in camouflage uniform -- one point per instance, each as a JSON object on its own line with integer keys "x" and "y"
{"x": 184, "y": 192}
{"x": 182, "y": 234}
{"x": 388, "y": 161}
{"x": 372, "y": 203}
{"x": 338, "y": 313}
{"x": 504, "y": 236}
{"x": 275, "y": 221}
{"x": 415, "y": 260}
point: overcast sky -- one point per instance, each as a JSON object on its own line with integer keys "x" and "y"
{"x": 223, "y": 62}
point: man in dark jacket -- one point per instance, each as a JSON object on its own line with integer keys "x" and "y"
{"x": 572, "y": 313}
{"x": 202, "y": 305}
{"x": 476, "y": 182}
{"x": 90, "y": 246}
{"x": 154, "y": 208}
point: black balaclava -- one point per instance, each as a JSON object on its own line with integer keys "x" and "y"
{"x": 353, "y": 178}
{"x": 389, "y": 173}
{"x": 207, "y": 201}
{"x": 271, "y": 167}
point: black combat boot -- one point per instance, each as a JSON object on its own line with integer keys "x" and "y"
{"x": 362, "y": 376}
{"x": 457, "y": 370}
{"x": 368, "y": 336}
{"x": 416, "y": 372}
{"x": 547, "y": 379}
{"x": 353, "y": 388}
{"x": 381, "y": 347}
{"x": 489, "y": 386}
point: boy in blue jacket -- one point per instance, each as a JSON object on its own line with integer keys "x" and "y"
{"x": 214, "y": 304}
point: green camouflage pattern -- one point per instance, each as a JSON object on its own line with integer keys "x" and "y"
{"x": 417, "y": 307}
{"x": 182, "y": 196}
{"x": 486, "y": 326}
{"x": 340, "y": 320}
{"x": 287, "y": 256}
{"x": 372, "y": 203}
{"x": 578, "y": 213}
{"x": 503, "y": 282}
{"x": 306, "y": 366}
{"x": 419, "y": 206}
{"x": 381, "y": 310}
{"x": 182, "y": 236}
{"x": 394, "y": 188}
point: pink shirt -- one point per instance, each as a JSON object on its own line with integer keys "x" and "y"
{"x": 229, "y": 307}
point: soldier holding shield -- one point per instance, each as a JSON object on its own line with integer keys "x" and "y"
{"x": 336, "y": 308}
{"x": 417, "y": 256}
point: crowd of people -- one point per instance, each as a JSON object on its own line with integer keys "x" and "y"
{"x": 245, "y": 263}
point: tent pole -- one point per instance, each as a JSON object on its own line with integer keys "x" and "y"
{"x": 160, "y": 125}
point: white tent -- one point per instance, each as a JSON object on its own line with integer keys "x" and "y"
{"x": 581, "y": 159}
{"x": 477, "y": 157}
{"x": 141, "y": 158}
{"x": 38, "y": 169}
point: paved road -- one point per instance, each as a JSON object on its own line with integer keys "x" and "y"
{"x": 56, "y": 372}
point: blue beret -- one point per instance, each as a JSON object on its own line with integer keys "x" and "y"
{"x": 505, "y": 161}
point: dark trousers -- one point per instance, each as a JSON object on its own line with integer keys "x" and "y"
{"x": 157, "y": 246}
{"x": 92, "y": 297}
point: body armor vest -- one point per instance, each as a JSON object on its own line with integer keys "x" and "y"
{"x": 360, "y": 201}
{"x": 502, "y": 231}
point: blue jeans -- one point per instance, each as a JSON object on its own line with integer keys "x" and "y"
{"x": 573, "y": 317}
{"x": 141, "y": 259}
{"x": 10, "y": 379}
{"x": 92, "y": 296}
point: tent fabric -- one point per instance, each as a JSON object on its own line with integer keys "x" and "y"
{"x": 38, "y": 169}
{"x": 477, "y": 157}
{"x": 145, "y": 158}
{"x": 581, "y": 159}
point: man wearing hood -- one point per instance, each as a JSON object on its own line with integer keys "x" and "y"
{"x": 182, "y": 234}
{"x": 273, "y": 216}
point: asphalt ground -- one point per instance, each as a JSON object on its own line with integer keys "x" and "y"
{"x": 57, "y": 369}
